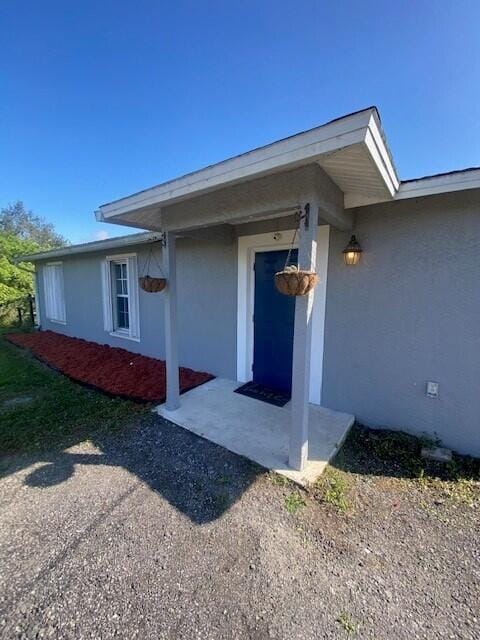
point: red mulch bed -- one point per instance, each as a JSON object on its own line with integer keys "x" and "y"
{"x": 115, "y": 371}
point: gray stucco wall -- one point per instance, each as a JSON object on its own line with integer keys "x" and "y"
{"x": 409, "y": 312}
{"x": 207, "y": 305}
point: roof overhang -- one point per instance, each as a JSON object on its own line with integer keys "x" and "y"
{"x": 351, "y": 150}
{"x": 440, "y": 183}
{"x": 90, "y": 247}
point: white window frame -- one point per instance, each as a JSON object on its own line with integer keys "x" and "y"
{"x": 54, "y": 292}
{"x": 133, "y": 331}
{"x": 116, "y": 294}
{"x": 36, "y": 285}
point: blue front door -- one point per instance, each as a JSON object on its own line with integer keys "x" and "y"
{"x": 273, "y": 324}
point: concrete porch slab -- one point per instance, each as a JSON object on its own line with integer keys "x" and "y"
{"x": 257, "y": 430}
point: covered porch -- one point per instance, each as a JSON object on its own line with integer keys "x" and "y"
{"x": 259, "y": 431}
{"x": 310, "y": 183}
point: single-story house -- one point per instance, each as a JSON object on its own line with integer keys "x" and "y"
{"x": 390, "y": 335}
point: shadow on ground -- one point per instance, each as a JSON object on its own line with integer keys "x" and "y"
{"x": 199, "y": 478}
{"x": 203, "y": 480}
{"x": 382, "y": 452}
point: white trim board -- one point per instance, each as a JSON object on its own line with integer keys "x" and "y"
{"x": 54, "y": 292}
{"x": 98, "y": 245}
{"x": 133, "y": 332}
{"x": 297, "y": 150}
{"x": 247, "y": 247}
{"x": 443, "y": 183}
{"x": 36, "y": 287}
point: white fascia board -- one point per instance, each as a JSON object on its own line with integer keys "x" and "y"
{"x": 455, "y": 181}
{"x": 380, "y": 153}
{"x": 89, "y": 247}
{"x": 299, "y": 149}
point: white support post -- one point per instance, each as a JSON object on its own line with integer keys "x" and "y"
{"x": 307, "y": 254}
{"x": 171, "y": 348}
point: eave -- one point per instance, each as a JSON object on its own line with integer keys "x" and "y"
{"x": 351, "y": 150}
{"x": 440, "y": 183}
{"x": 90, "y": 247}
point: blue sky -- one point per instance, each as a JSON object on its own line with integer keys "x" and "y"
{"x": 102, "y": 99}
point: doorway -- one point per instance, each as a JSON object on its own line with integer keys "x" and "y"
{"x": 273, "y": 320}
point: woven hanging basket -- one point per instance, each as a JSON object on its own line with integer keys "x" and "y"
{"x": 295, "y": 283}
{"x": 152, "y": 285}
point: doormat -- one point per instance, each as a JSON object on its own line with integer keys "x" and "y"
{"x": 266, "y": 394}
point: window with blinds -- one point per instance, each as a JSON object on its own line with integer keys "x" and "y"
{"x": 54, "y": 292}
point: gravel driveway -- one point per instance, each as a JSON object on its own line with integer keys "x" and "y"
{"x": 160, "y": 534}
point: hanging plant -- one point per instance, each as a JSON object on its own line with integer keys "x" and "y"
{"x": 148, "y": 283}
{"x": 293, "y": 281}
{"x": 152, "y": 285}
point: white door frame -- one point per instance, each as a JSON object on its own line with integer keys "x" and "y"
{"x": 248, "y": 246}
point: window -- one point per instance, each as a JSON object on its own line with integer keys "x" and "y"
{"x": 120, "y": 296}
{"x": 54, "y": 292}
{"x": 118, "y": 273}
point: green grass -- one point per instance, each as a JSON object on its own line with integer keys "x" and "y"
{"x": 458, "y": 490}
{"x": 278, "y": 480}
{"x": 60, "y": 412}
{"x": 333, "y": 486}
{"x": 397, "y": 454}
{"x": 347, "y": 623}
{"x": 384, "y": 454}
{"x": 294, "y": 502}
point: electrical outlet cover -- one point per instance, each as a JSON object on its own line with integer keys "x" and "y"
{"x": 432, "y": 389}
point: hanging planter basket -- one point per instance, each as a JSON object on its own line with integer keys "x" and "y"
{"x": 148, "y": 283}
{"x": 295, "y": 282}
{"x": 152, "y": 285}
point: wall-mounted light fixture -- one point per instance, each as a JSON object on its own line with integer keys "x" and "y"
{"x": 351, "y": 253}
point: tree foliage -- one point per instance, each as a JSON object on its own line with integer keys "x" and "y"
{"x": 22, "y": 232}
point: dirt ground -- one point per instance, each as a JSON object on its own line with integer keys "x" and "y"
{"x": 156, "y": 533}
